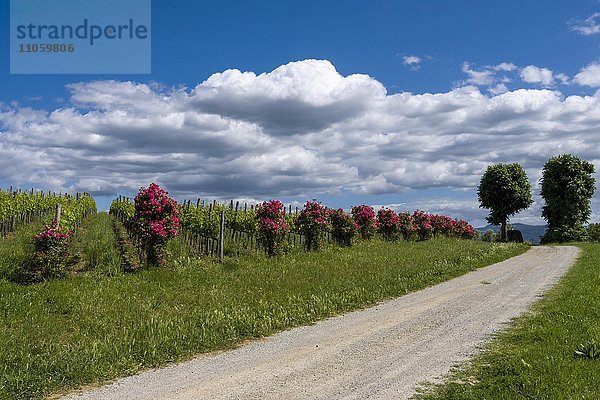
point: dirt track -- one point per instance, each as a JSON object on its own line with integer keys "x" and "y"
{"x": 377, "y": 353}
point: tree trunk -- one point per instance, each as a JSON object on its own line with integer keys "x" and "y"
{"x": 504, "y": 230}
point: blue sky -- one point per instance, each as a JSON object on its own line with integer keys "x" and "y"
{"x": 498, "y": 76}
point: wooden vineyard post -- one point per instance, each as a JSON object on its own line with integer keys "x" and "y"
{"x": 221, "y": 235}
{"x": 235, "y": 217}
{"x": 57, "y": 218}
{"x": 207, "y": 230}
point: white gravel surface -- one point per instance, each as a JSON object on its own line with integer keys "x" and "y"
{"x": 381, "y": 352}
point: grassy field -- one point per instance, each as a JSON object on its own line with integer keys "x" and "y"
{"x": 17, "y": 246}
{"x": 536, "y": 358}
{"x": 96, "y": 245}
{"x": 101, "y": 323}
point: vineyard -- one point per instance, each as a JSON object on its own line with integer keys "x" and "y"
{"x": 219, "y": 229}
{"x": 147, "y": 223}
{"x": 23, "y": 207}
{"x": 143, "y": 285}
{"x": 201, "y": 225}
{"x": 54, "y": 216}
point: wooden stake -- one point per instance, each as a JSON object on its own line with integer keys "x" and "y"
{"x": 57, "y": 218}
{"x": 221, "y": 235}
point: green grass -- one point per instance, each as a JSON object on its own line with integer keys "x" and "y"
{"x": 94, "y": 327}
{"x": 535, "y": 358}
{"x": 16, "y": 247}
{"x": 93, "y": 244}
{"x": 96, "y": 244}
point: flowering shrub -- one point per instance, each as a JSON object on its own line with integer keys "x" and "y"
{"x": 405, "y": 225}
{"x": 50, "y": 258}
{"x": 464, "y": 230}
{"x": 364, "y": 216}
{"x": 51, "y": 240}
{"x": 422, "y": 223}
{"x": 312, "y": 222}
{"x": 155, "y": 220}
{"x": 272, "y": 227}
{"x": 343, "y": 227}
{"x": 428, "y": 225}
{"x": 442, "y": 225}
{"x": 388, "y": 224}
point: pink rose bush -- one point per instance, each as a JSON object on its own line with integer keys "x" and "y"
{"x": 442, "y": 225}
{"x": 51, "y": 240}
{"x": 343, "y": 227}
{"x": 50, "y": 258}
{"x": 464, "y": 230}
{"x": 313, "y": 222}
{"x": 364, "y": 216}
{"x": 155, "y": 220}
{"x": 406, "y": 225}
{"x": 423, "y": 226}
{"x": 272, "y": 228}
{"x": 429, "y": 225}
{"x": 388, "y": 224}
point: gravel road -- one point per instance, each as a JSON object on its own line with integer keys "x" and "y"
{"x": 381, "y": 352}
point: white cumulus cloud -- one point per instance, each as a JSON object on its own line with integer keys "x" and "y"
{"x": 302, "y": 129}
{"x": 533, "y": 74}
{"x": 589, "y": 75}
{"x": 482, "y": 77}
{"x": 505, "y": 67}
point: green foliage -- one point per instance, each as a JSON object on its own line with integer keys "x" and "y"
{"x": 567, "y": 189}
{"x": 96, "y": 244}
{"x": 74, "y": 208}
{"x": 16, "y": 249}
{"x": 22, "y": 262}
{"x": 588, "y": 350}
{"x": 552, "y": 352}
{"x": 128, "y": 254}
{"x": 565, "y": 234}
{"x": 593, "y": 233}
{"x": 505, "y": 190}
{"x": 488, "y": 236}
{"x": 123, "y": 209}
{"x": 16, "y": 203}
{"x": 206, "y": 219}
{"x": 92, "y": 328}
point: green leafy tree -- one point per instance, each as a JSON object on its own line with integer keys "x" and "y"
{"x": 593, "y": 232}
{"x": 504, "y": 190}
{"x": 567, "y": 189}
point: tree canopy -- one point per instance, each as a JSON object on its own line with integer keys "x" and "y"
{"x": 504, "y": 190}
{"x": 567, "y": 190}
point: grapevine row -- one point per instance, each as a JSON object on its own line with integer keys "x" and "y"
{"x": 23, "y": 207}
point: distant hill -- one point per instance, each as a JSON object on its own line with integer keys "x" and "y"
{"x": 531, "y": 233}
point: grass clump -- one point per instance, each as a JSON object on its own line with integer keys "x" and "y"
{"x": 552, "y": 352}
{"x": 93, "y": 327}
{"x": 96, "y": 245}
{"x": 16, "y": 249}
